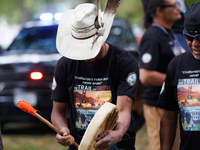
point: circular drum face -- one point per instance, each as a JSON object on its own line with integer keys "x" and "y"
{"x": 104, "y": 119}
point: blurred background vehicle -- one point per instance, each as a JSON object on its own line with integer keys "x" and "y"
{"x": 26, "y": 69}
{"x": 27, "y": 66}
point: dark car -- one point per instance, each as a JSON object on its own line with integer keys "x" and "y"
{"x": 27, "y": 66}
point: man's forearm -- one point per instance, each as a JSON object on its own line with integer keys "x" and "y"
{"x": 123, "y": 123}
{"x": 58, "y": 115}
{"x": 125, "y": 105}
{"x": 58, "y": 120}
{"x": 151, "y": 77}
{"x": 167, "y": 132}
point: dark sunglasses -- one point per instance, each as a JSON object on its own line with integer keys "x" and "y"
{"x": 173, "y": 6}
{"x": 191, "y": 37}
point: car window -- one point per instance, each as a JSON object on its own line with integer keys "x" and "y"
{"x": 43, "y": 38}
{"x": 121, "y": 35}
{"x": 36, "y": 38}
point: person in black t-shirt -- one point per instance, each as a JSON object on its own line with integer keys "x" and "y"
{"x": 91, "y": 73}
{"x": 178, "y": 25}
{"x": 180, "y": 94}
{"x": 158, "y": 47}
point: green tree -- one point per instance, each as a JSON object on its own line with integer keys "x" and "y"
{"x": 20, "y": 11}
{"x": 190, "y": 2}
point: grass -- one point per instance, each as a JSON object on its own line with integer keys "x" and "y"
{"x": 44, "y": 142}
{"x": 141, "y": 142}
{"x": 26, "y": 136}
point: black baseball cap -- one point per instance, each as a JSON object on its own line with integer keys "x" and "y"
{"x": 192, "y": 19}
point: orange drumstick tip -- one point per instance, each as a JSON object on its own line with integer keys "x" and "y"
{"x": 25, "y": 106}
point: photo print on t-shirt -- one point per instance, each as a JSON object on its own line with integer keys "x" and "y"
{"x": 89, "y": 95}
{"x": 188, "y": 92}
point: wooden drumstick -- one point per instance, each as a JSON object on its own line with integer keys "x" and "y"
{"x": 25, "y": 106}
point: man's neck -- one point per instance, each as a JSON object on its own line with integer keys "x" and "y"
{"x": 102, "y": 53}
{"x": 163, "y": 23}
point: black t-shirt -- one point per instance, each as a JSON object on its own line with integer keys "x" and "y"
{"x": 156, "y": 51}
{"x": 85, "y": 86}
{"x": 181, "y": 92}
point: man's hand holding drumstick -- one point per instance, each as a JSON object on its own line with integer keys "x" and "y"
{"x": 63, "y": 135}
{"x": 65, "y": 139}
{"x": 58, "y": 118}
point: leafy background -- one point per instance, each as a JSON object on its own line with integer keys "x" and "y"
{"x": 20, "y": 11}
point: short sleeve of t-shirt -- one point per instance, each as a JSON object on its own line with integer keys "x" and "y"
{"x": 150, "y": 54}
{"x": 128, "y": 77}
{"x": 156, "y": 49}
{"x": 59, "y": 85}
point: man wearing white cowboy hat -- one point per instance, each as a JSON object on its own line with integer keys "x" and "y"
{"x": 91, "y": 73}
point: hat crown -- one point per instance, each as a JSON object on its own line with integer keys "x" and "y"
{"x": 85, "y": 15}
{"x": 81, "y": 32}
{"x": 83, "y": 25}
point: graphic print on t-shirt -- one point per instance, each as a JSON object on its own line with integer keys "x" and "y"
{"x": 189, "y": 103}
{"x": 89, "y": 95}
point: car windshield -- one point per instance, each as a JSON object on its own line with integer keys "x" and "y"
{"x": 121, "y": 34}
{"x": 36, "y": 38}
{"x": 43, "y": 38}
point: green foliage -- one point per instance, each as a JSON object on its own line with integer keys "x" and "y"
{"x": 131, "y": 10}
{"x": 19, "y": 11}
{"x": 190, "y": 2}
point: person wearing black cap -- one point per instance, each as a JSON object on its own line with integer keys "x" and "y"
{"x": 180, "y": 94}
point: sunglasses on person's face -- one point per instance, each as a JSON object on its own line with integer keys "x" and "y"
{"x": 173, "y": 5}
{"x": 191, "y": 37}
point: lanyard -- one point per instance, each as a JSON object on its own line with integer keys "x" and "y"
{"x": 177, "y": 48}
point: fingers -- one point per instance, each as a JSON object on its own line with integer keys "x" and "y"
{"x": 65, "y": 139}
{"x": 102, "y": 135}
{"x": 107, "y": 139}
{"x": 65, "y": 131}
{"x": 103, "y": 141}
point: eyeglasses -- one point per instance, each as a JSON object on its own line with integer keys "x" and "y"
{"x": 173, "y": 5}
{"x": 191, "y": 37}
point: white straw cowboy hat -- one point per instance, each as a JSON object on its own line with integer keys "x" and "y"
{"x": 82, "y": 31}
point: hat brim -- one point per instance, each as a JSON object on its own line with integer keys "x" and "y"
{"x": 78, "y": 49}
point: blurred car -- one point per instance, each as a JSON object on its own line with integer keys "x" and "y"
{"x": 27, "y": 66}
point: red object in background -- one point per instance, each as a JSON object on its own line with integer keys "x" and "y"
{"x": 36, "y": 75}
